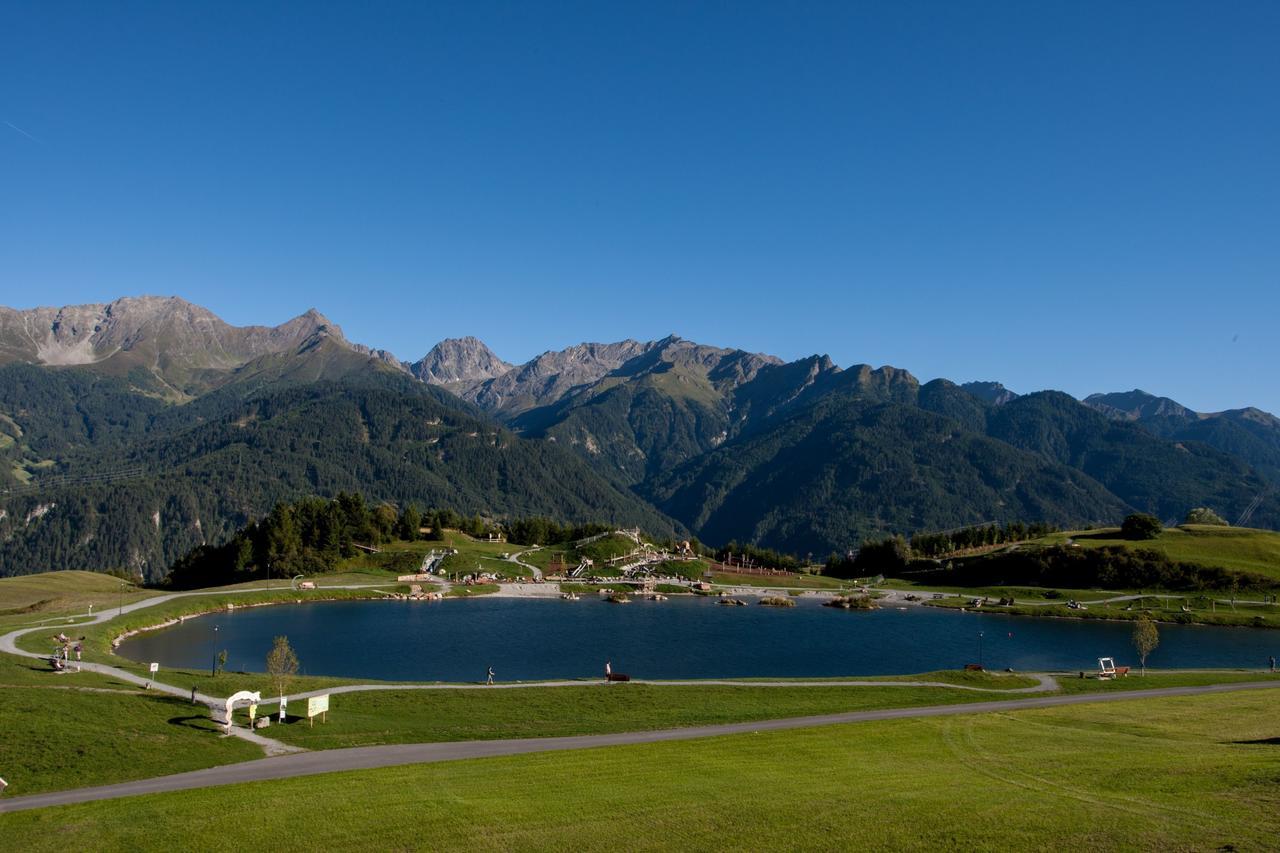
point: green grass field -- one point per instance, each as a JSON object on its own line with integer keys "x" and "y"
{"x": 1201, "y": 610}
{"x": 1238, "y": 548}
{"x": 48, "y": 597}
{"x": 76, "y": 729}
{"x": 781, "y": 581}
{"x": 421, "y": 716}
{"x": 1171, "y": 774}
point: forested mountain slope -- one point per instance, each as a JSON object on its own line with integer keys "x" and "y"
{"x": 286, "y": 430}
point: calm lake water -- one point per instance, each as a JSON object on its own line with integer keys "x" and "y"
{"x": 526, "y": 639}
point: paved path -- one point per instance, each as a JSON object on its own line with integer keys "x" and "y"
{"x": 1044, "y": 684}
{"x": 370, "y": 757}
{"x": 515, "y": 558}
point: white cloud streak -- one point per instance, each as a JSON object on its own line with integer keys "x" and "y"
{"x": 23, "y": 132}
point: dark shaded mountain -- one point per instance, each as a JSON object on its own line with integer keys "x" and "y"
{"x": 1138, "y": 405}
{"x": 1155, "y": 475}
{"x": 851, "y": 466}
{"x": 674, "y": 402}
{"x": 956, "y": 402}
{"x": 321, "y": 420}
{"x": 1249, "y": 434}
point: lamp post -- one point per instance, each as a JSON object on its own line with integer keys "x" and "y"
{"x": 980, "y": 633}
{"x": 120, "y": 612}
{"x": 213, "y": 649}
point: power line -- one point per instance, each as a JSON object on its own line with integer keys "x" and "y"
{"x": 61, "y": 480}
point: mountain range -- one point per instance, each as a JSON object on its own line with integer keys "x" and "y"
{"x": 133, "y": 431}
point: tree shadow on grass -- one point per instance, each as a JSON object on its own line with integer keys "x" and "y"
{"x": 199, "y": 722}
{"x": 1268, "y": 741}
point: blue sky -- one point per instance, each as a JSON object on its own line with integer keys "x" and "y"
{"x": 1083, "y": 196}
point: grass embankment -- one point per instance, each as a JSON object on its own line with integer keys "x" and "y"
{"x": 1191, "y": 773}
{"x": 794, "y": 579}
{"x": 75, "y": 729}
{"x": 29, "y": 600}
{"x": 1236, "y": 548}
{"x": 473, "y": 590}
{"x": 1200, "y": 610}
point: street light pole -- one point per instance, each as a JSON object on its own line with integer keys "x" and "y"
{"x": 213, "y": 649}
{"x": 980, "y": 633}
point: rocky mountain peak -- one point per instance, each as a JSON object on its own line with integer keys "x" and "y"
{"x": 1137, "y": 405}
{"x": 990, "y": 392}
{"x": 180, "y": 345}
{"x": 459, "y": 361}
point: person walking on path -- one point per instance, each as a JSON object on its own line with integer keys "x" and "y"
{"x": 608, "y": 669}
{"x": 490, "y": 681}
{"x": 1272, "y": 661}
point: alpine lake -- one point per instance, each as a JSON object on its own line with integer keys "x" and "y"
{"x": 532, "y": 639}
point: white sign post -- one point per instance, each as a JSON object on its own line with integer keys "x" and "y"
{"x": 284, "y": 704}
{"x": 318, "y": 705}
{"x": 153, "y": 669}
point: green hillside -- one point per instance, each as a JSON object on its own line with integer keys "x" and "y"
{"x": 1234, "y": 548}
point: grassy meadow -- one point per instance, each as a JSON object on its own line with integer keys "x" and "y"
{"x": 70, "y": 730}
{"x": 1196, "y": 773}
{"x": 1237, "y": 548}
{"x": 49, "y": 597}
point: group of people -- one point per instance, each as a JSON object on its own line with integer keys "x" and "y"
{"x": 62, "y": 651}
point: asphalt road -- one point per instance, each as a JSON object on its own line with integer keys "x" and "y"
{"x": 369, "y": 757}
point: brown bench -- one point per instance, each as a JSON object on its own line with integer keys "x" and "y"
{"x": 618, "y": 676}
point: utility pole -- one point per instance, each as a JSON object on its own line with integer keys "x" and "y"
{"x": 213, "y": 649}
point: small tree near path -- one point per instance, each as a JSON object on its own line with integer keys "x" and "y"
{"x": 1145, "y": 639}
{"x": 282, "y": 665}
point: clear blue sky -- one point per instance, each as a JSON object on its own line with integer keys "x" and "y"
{"x": 1083, "y": 196}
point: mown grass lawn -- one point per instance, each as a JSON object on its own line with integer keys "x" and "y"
{"x": 1171, "y": 774}
{"x": 421, "y": 716}
{"x": 75, "y": 729}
